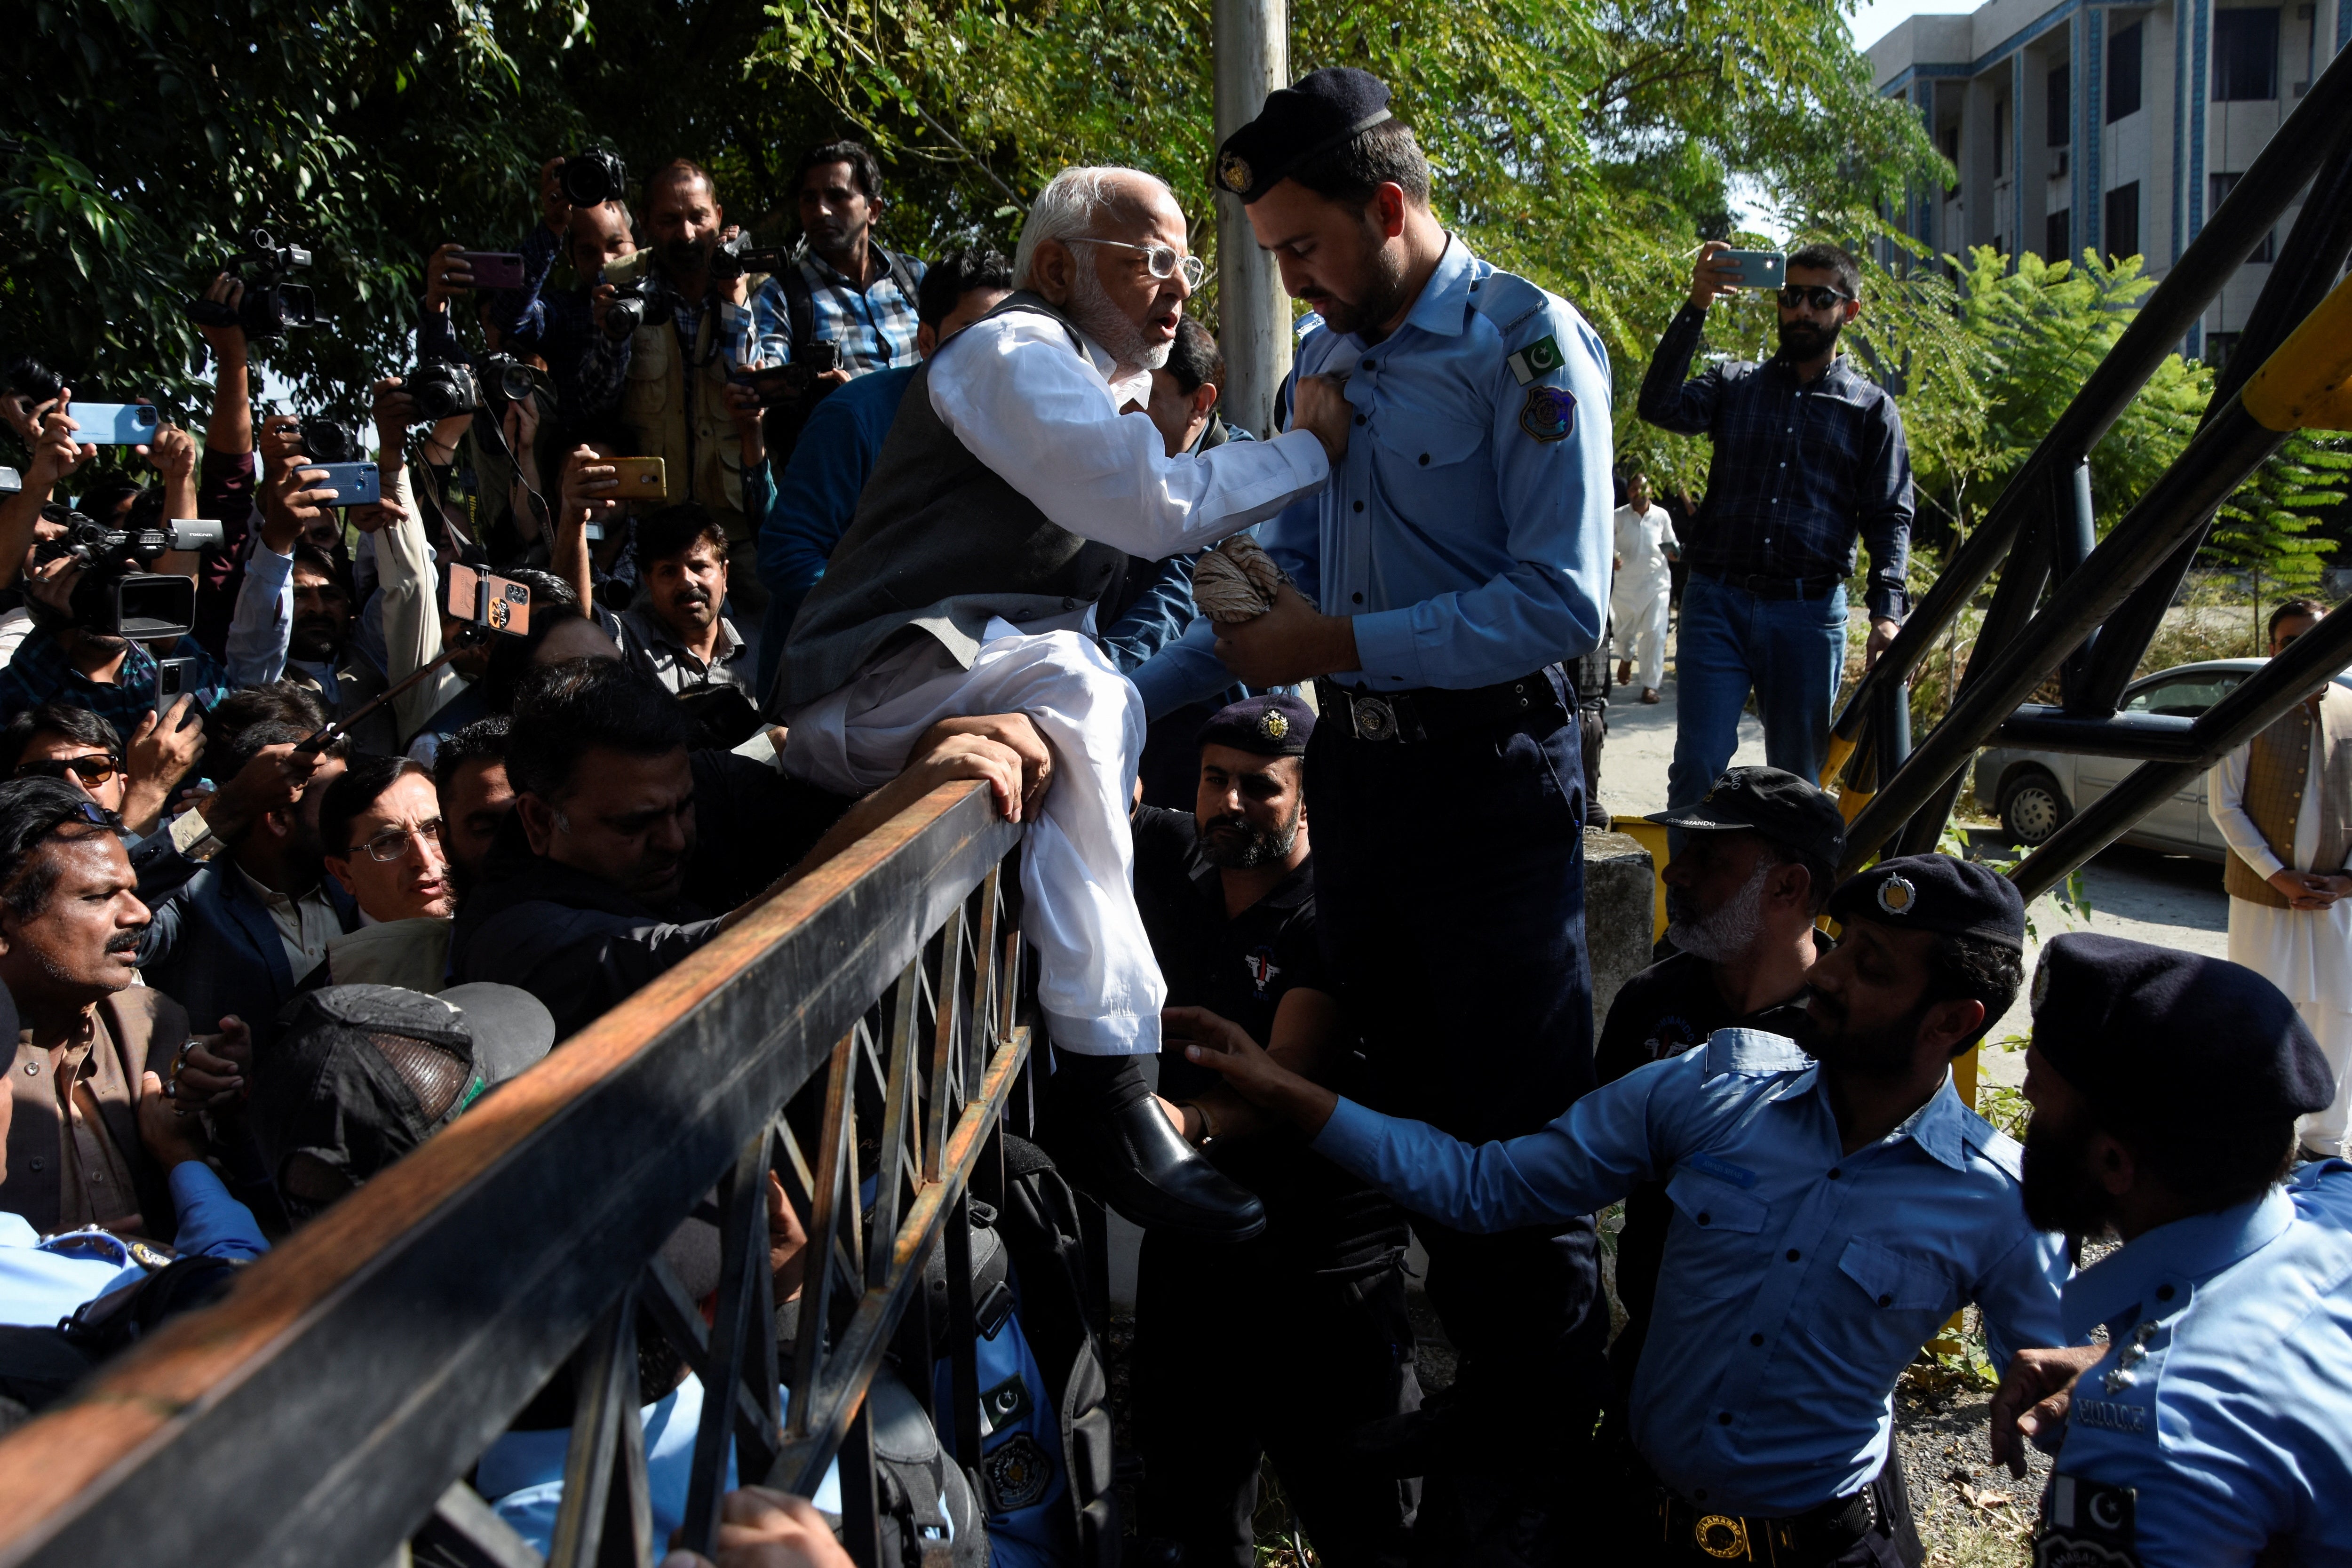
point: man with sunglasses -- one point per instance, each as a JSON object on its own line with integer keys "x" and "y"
{"x": 1808, "y": 458}
{"x": 2283, "y": 804}
{"x": 1008, "y": 493}
{"x": 62, "y": 742}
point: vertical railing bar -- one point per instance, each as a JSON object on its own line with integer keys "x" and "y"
{"x": 897, "y": 1128}
{"x": 963, "y": 1331}
{"x": 861, "y": 1523}
{"x": 604, "y": 1397}
{"x": 947, "y": 1079}
{"x": 983, "y": 979}
{"x": 742, "y": 1263}
{"x": 760, "y": 1427}
{"x": 816, "y": 1286}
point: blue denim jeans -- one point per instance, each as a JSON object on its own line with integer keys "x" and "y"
{"x": 1792, "y": 651}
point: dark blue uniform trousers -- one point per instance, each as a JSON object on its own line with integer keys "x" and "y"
{"x": 1449, "y": 884}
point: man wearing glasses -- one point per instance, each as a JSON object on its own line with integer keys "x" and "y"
{"x": 379, "y": 826}
{"x": 1809, "y": 455}
{"x": 1003, "y": 507}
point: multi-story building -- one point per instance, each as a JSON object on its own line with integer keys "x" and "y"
{"x": 2117, "y": 128}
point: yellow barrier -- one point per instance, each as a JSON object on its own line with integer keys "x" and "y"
{"x": 1652, "y": 837}
{"x": 2307, "y": 383}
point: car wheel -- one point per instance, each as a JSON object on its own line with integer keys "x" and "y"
{"x": 2034, "y": 807}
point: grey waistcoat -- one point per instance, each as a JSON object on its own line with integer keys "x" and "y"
{"x": 940, "y": 545}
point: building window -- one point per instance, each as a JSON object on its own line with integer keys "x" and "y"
{"x": 1951, "y": 150}
{"x": 2123, "y": 72}
{"x": 2218, "y": 187}
{"x": 2245, "y": 54}
{"x": 2219, "y": 346}
{"x": 2057, "y": 235}
{"x": 2058, "y": 96}
{"x": 2122, "y": 234}
{"x": 2001, "y": 138}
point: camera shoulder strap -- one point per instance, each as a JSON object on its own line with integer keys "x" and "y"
{"x": 800, "y": 310}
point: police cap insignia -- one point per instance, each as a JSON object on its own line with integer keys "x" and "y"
{"x": 1233, "y": 173}
{"x": 1549, "y": 414}
{"x": 1896, "y": 895}
{"x": 1272, "y": 724}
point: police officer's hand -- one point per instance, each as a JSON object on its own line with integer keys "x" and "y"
{"x": 1320, "y": 405}
{"x": 2033, "y": 1398}
{"x": 171, "y": 1129}
{"x": 1291, "y": 642}
{"x": 1712, "y": 279}
{"x": 764, "y": 1528}
{"x": 1225, "y": 1047}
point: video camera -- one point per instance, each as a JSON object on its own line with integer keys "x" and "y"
{"x": 733, "y": 257}
{"x": 444, "y": 389}
{"x": 271, "y": 304}
{"x": 592, "y": 177}
{"x": 115, "y": 596}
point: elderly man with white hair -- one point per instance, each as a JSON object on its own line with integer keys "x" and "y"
{"x": 1009, "y": 489}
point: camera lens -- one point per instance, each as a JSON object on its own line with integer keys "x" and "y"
{"x": 330, "y": 441}
{"x": 515, "y": 383}
{"x": 591, "y": 178}
{"x": 624, "y": 316}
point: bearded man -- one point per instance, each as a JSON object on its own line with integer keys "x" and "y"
{"x": 1007, "y": 496}
{"x": 1809, "y": 456}
{"x": 1754, "y": 873}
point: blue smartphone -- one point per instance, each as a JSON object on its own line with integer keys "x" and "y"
{"x": 1758, "y": 268}
{"x": 115, "y": 424}
{"x": 354, "y": 484}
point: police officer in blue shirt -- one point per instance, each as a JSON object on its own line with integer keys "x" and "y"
{"x": 1831, "y": 1212}
{"x": 2214, "y": 1427}
{"x": 1459, "y": 554}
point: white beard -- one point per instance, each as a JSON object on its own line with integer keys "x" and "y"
{"x": 1091, "y": 307}
{"x": 1731, "y": 931}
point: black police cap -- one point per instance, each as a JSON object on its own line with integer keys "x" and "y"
{"x": 1773, "y": 802}
{"x": 1938, "y": 893}
{"x": 2170, "y": 1038}
{"x": 1325, "y": 109}
{"x": 1277, "y": 725}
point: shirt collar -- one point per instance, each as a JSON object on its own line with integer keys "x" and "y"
{"x": 826, "y": 271}
{"x": 1937, "y": 1126}
{"x": 1444, "y": 305}
{"x": 2180, "y": 1255}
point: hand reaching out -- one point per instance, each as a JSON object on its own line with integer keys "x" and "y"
{"x": 764, "y": 1528}
{"x": 446, "y": 273}
{"x": 171, "y": 1129}
{"x": 2033, "y": 1397}
{"x": 159, "y": 756}
{"x": 1012, "y": 730}
{"x": 1225, "y": 1047}
{"x": 227, "y": 343}
{"x": 215, "y": 1071}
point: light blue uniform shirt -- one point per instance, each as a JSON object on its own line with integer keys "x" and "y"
{"x": 42, "y": 1283}
{"x": 1798, "y": 1280}
{"x": 2227, "y": 1397}
{"x": 1467, "y": 527}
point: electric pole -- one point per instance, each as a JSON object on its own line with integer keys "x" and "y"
{"x": 1253, "y": 50}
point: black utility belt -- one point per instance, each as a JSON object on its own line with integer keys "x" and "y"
{"x": 1808, "y": 1538}
{"x": 1434, "y": 714}
{"x": 1765, "y": 587}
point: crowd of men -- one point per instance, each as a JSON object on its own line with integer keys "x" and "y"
{"x": 311, "y": 853}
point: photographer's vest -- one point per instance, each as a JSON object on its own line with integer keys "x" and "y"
{"x": 702, "y": 453}
{"x": 940, "y": 545}
{"x": 2277, "y": 773}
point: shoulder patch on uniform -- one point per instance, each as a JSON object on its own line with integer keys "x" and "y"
{"x": 1536, "y": 361}
{"x": 1549, "y": 413}
{"x": 1752, "y": 1053}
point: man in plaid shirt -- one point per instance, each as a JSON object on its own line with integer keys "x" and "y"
{"x": 1809, "y": 456}
{"x": 842, "y": 287}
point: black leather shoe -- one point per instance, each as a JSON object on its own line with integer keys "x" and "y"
{"x": 1130, "y": 1157}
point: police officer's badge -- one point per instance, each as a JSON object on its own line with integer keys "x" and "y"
{"x": 1272, "y": 724}
{"x": 1549, "y": 414}
{"x": 1896, "y": 895}
{"x": 1016, "y": 1475}
{"x": 1233, "y": 173}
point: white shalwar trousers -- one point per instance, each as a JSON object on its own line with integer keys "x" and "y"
{"x": 1637, "y": 613}
{"x": 2307, "y": 954}
{"x": 1099, "y": 983}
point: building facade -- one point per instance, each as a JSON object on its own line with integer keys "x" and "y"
{"x": 2114, "y": 128}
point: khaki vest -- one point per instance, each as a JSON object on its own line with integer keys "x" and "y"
{"x": 2277, "y": 772}
{"x": 702, "y": 454}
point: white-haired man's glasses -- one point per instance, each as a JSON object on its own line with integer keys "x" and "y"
{"x": 1160, "y": 260}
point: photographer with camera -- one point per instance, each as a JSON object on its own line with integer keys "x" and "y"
{"x": 670, "y": 339}
{"x": 585, "y": 223}
{"x": 38, "y": 408}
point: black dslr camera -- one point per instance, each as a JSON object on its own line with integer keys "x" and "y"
{"x": 592, "y": 177}
{"x": 643, "y": 298}
{"x": 445, "y": 389}
{"x": 115, "y": 596}
{"x": 733, "y": 257}
{"x": 326, "y": 440}
{"x": 270, "y": 305}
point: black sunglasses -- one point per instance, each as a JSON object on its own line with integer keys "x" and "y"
{"x": 1820, "y": 296}
{"x": 92, "y": 770}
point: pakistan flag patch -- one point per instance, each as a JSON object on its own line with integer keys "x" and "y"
{"x": 1536, "y": 361}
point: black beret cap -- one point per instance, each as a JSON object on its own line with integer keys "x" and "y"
{"x": 1322, "y": 111}
{"x": 2169, "y": 1037}
{"x": 1773, "y": 802}
{"x": 1275, "y": 725}
{"x": 1937, "y": 893}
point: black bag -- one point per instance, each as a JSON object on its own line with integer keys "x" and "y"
{"x": 927, "y": 1516}
{"x": 1038, "y": 1222}
{"x": 38, "y": 1367}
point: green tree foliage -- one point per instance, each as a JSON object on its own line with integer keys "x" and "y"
{"x": 2266, "y": 529}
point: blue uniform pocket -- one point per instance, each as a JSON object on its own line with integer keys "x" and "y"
{"x": 1716, "y": 1252}
{"x": 1418, "y": 463}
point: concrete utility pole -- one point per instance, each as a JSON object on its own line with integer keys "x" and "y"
{"x": 1253, "y": 44}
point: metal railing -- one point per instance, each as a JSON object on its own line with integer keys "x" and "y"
{"x": 330, "y": 1407}
{"x": 2106, "y": 600}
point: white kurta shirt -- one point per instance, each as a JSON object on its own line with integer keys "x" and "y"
{"x": 2307, "y": 954}
{"x": 1641, "y": 541}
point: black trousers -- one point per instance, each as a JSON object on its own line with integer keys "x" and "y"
{"x": 1248, "y": 1352}
{"x": 1893, "y": 1542}
{"x": 1450, "y": 890}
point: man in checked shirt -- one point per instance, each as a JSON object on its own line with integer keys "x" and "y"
{"x": 1809, "y": 455}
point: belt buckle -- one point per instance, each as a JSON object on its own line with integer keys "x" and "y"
{"x": 1373, "y": 718}
{"x": 1722, "y": 1536}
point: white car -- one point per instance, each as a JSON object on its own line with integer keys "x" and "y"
{"x": 2035, "y": 792}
